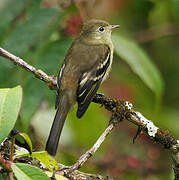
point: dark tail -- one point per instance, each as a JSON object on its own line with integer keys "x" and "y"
{"x": 57, "y": 126}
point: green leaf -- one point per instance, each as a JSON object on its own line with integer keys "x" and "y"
{"x": 33, "y": 6}
{"x": 33, "y": 94}
{"x": 160, "y": 13}
{"x": 43, "y": 157}
{"x": 175, "y": 8}
{"x": 9, "y": 11}
{"x": 27, "y": 172}
{"x": 30, "y": 32}
{"x": 46, "y": 159}
{"x": 10, "y": 102}
{"x": 27, "y": 141}
{"x": 139, "y": 62}
{"x": 56, "y": 51}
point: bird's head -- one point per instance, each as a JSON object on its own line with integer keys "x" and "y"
{"x": 97, "y": 31}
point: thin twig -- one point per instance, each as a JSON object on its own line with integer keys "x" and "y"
{"x": 78, "y": 175}
{"x": 115, "y": 119}
{"x": 91, "y": 151}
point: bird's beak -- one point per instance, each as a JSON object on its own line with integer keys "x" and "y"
{"x": 114, "y": 26}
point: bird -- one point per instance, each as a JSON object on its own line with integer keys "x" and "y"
{"x": 86, "y": 65}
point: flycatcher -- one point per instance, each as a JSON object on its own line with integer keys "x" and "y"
{"x": 86, "y": 65}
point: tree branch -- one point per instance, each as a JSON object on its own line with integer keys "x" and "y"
{"x": 91, "y": 151}
{"x": 120, "y": 110}
{"x": 49, "y": 80}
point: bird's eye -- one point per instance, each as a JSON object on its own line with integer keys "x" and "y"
{"x": 101, "y": 29}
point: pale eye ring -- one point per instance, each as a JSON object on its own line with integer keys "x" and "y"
{"x": 101, "y": 29}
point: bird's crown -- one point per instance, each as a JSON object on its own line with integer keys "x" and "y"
{"x": 93, "y": 25}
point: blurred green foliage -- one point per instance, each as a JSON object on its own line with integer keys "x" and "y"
{"x": 145, "y": 72}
